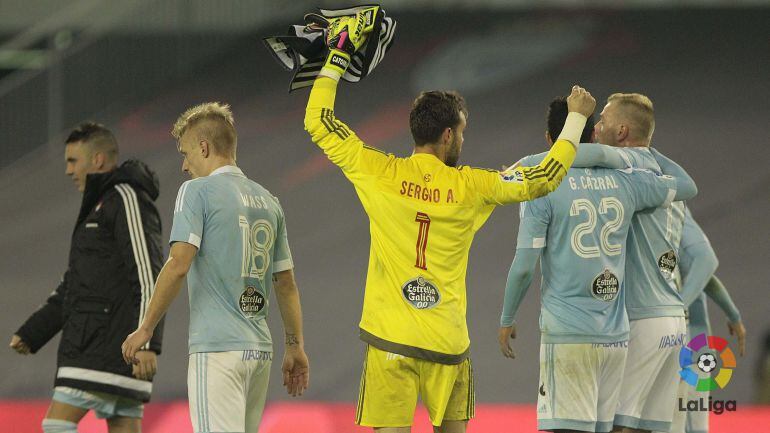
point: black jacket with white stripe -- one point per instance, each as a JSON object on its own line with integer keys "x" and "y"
{"x": 114, "y": 258}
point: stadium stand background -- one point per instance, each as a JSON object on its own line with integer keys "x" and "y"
{"x": 136, "y": 68}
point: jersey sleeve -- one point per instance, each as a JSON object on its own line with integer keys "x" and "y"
{"x": 525, "y": 183}
{"x": 533, "y": 226}
{"x": 692, "y": 234}
{"x": 651, "y": 190}
{"x": 282, "y": 260}
{"x": 589, "y": 155}
{"x": 189, "y": 214}
{"x": 137, "y": 232}
{"x": 341, "y": 145}
{"x": 47, "y": 321}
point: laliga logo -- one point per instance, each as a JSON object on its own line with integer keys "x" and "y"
{"x": 706, "y": 362}
{"x": 701, "y": 351}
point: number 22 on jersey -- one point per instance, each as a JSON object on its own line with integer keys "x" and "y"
{"x": 582, "y": 205}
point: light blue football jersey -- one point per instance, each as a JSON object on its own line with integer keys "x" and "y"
{"x": 653, "y": 253}
{"x": 582, "y": 228}
{"x": 693, "y": 237}
{"x": 240, "y": 232}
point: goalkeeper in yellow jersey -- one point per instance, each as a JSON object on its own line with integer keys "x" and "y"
{"x": 424, "y": 211}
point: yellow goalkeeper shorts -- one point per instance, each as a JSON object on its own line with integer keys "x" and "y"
{"x": 390, "y": 384}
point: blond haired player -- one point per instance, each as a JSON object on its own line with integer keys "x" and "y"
{"x": 423, "y": 212}
{"x": 229, "y": 241}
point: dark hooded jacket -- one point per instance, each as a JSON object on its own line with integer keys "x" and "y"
{"x": 114, "y": 259}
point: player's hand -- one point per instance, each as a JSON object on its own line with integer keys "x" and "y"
{"x": 504, "y": 337}
{"x": 296, "y": 370}
{"x": 581, "y": 101}
{"x": 19, "y": 345}
{"x": 133, "y": 344}
{"x": 344, "y": 36}
{"x": 737, "y": 329}
{"x": 348, "y": 34}
{"x": 147, "y": 366}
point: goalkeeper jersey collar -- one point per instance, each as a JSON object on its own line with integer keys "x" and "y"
{"x": 429, "y": 157}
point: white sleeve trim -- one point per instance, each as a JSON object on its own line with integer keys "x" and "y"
{"x": 283, "y": 265}
{"x": 139, "y": 245}
{"x": 538, "y": 243}
{"x": 194, "y": 240}
{"x": 573, "y": 128}
{"x": 180, "y": 197}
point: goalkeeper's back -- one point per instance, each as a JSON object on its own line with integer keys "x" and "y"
{"x": 423, "y": 215}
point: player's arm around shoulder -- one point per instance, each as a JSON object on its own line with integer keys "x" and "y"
{"x": 527, "y": 183}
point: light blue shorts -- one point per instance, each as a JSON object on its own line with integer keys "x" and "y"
{"x": 104, "y": 405}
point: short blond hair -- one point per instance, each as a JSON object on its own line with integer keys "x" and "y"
{"x": 213, "y": 122}
{"x": 638, "y": 110}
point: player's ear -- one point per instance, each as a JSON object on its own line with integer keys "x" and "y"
{"x": 98, "y": 160}
{"x": 623, "y": 132}
{"x": 204, "y": 148}
{"x": 446, "y": 136}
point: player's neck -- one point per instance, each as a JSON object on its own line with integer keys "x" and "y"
{"x": 633, "y": 144}
{"x": 431, "y": 149}
{"x": 218, "y": 163}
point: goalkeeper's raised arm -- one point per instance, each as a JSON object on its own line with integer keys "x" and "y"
{"x": 345, "y": 35}
{"x": 528, "y": 183}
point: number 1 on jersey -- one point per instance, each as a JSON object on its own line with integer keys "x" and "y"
{"x": 422, "y": 239}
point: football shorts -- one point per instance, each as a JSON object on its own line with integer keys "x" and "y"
{"x": 104, "y": 405}
{"x": 651, "y": 378}
{"x": 227, "y": 390}
{"x": 390, "y": 384}
{"x": 579, "y": 385}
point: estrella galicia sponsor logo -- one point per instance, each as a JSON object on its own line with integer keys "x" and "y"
{"x": 251, "y": 302}
{"x": 667, "y": 263}
{"x": 512, "y": 176}
{"x": 421, "y": 293}
{"x": 605, "y": 286}
{"x": 338, "y": 60}
{"x": 707, "y": 364}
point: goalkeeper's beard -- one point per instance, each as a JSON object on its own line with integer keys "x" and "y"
{"x": 453, "y": 153}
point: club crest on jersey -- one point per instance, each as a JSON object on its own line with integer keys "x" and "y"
{"x": 605, "y": 286}
{"x": 251, "y": 302}
{"x": 421, "y": 293}
{"x": 667, "y": 263}
{"x": 512, "y": 176}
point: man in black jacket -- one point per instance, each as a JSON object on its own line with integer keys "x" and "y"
{"x": 114, "y": 258}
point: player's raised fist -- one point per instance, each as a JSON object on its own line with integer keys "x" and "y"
{"x": 581, "y": 101}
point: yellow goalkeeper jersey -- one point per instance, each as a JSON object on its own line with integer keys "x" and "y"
{"x": 423, "y": 215}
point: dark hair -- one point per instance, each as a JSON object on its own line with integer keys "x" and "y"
{"x": 97, "y": 137}
{"x": 557, "y": 115}
{"x": 433, "y": 112}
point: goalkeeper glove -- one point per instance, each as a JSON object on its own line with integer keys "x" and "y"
{"x": 345, "y": 35}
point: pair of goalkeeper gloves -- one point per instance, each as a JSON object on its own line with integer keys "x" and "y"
{"x": 344, "y": 36}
